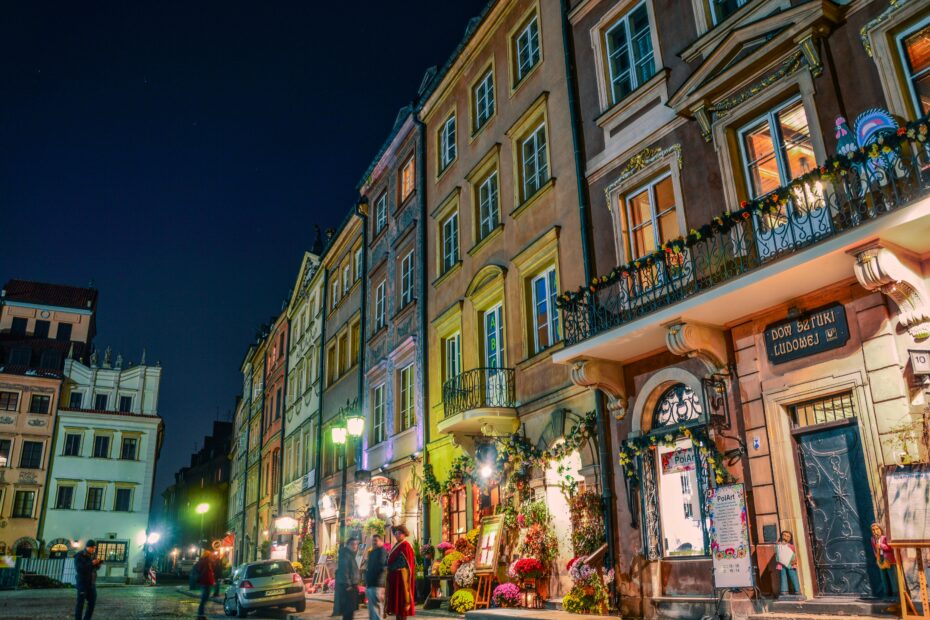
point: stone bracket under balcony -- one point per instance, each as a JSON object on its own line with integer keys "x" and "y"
{"x": 479, "y": 402}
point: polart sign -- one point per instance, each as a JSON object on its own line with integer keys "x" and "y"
{"x": 729, "y": 536}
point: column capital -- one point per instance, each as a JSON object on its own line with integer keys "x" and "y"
{"x": 702, "y": 342}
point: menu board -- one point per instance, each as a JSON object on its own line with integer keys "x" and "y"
{"x": 907, "y": 497}
{"x": 489, "y": 544}
{"x": 729, "y": 536}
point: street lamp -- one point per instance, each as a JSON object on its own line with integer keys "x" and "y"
{"x": 353, "y": 425}
{"x": 202, "y": 509}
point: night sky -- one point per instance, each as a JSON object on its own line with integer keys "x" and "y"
{"x": 177, "y": 155}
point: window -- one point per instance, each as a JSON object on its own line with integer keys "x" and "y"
{"x": 18, "y": 328}
{"x": 685, "y": 484}
{"x": 628, "y": 44}
{"x": 344, "y": 363}
{"x": 125, "y": 404}
{"x": 914, "y": 47}
{"x": 651, "y": 216}
{"x": 458, "y": 510}
{"x": 76, "y": 400}
{"x": 278, "y": 403}
{"x": 331, "y": 369}
{"x": 406, "y": 397}
{"x": 100, "y": 402}
{"x": 23, "y": 503}
{"x": 452, "y": 356}
{"x": 483, "y": 99}
{"x": 406, "y": 279}
{"x": 94, "y": 500}
{"x": 41, "y": 329}
{"x": 9, "y": 401}
{"x": 447, "y": 143}
{"x": 129, "y": 448}
{"x": 31, "y": 457}
{"x": 526, "y": 48}
{"x": 534, "y": 161}
{"x": 722, "y": 9}
{"x": 111, "y": 551}
{"x": 450, "y": 241}
{"x": 381, "y": 213}
{"x": 72, "y": 445}
{"x": 102, "y": 446}
{"x": 407, "y": 178}
{"x": 358, "y": 263}
{"x": 379, "y": 306}
{"x": 123, "y": 500}
{"x": 378, "y": 433}
{"x": 356, "y": 333}
{"x": 494, "y": 337}
{"x": 346, "y": 278}
{"x": 545, "y": 314}
{"x": 335, "y": 292}
{"x": 64, "y": 497}
{"x": 64, "y": 332}
{"x": 823, "y": 410}
{"x": 50, "y": 360}
{"x": 20, "y": 356}
{"x": 776, "y": 148}
{"x": 6, "y": 445}
{"x": 489, "y": 214}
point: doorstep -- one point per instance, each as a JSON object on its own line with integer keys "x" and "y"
{"x": 525, "y": 614}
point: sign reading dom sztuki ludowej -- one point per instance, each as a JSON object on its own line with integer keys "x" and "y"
{"x": 812, "y": 332}
{"x": 729, "y": 536}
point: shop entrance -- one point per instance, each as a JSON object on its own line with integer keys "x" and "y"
{"x": 559, "y": 473}
{"x": 837, "y": 498}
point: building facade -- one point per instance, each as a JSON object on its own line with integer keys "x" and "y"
{"x": 238, "y": 457}
{"x": 254, "y": 370}
{"x": 754, "y": 281}
{"x": 108, "y": 436}
{"x": 40, "y": 325}
{"x": 275, "y": 367}
{"x": 394, "y": 390}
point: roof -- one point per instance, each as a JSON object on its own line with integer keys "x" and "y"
{"x": 61, "y": 295}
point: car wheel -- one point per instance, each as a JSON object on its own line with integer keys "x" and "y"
{"x": 228, "y": 608}
{"x": 301, "y": 606}
{"x": 241, "y": 611}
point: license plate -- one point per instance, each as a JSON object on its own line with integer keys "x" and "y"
{"x": 273, "y": 592}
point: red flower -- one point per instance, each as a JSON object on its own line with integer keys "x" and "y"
{"x": 901, "y": 131}
{"x": 571, "y": 563}
{"x": 746, "y": 215}
{"x": 744, "y": 203}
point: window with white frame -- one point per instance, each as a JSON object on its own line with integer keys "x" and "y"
{"x": 489, "y": 214}
{"x": 381, "y": 213}
{"x": 450, "y": 241}
{"x": 483, "y": 99}
{"x": 914, "y": 47}
{"x": 776, "y": 148}
{"x": 346, "y": 278}
{"x": 335, "y": 293}
{"x": 651, "y": 216}
{"x": 406, "y": 279}
{"x": 380, "y": 320}
{"x": 534, "y": 161}
{"x": 526, "y": 48}
{"x": 447, "y": 142}
{"x": 628, "y": 44}
{"x": 545, "y": 315}
{"x": 358, "y": 263}
{"x": 378, "y": 433}
{"x": 406, "y": 413}
{"x": 452, "y": 356}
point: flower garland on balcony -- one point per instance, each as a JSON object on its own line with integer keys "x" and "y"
{"x": 837, "y": 166}
{"x": 638, "y": 446}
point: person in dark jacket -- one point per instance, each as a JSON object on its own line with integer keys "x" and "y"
{"x": 205, "y": 580}
{"x": 86, "y": 565}
{"x": 376, "y": 578}
{"x": 347, "y": 578}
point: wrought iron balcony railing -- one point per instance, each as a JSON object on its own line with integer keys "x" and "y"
{"x": 847, "y": 192}
{"x": 481, "y": 388}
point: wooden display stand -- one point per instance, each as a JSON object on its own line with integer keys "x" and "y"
{"x": 483, "y": 590}
{"x": 908, "y": 609}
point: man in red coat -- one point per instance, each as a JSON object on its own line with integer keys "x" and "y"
{"x": 401, "y": 581}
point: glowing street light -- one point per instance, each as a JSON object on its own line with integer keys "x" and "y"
{"x": 339, "y": 435}
{"x": 486, "y": 471}
{"x": 153, "y": 538}
{"x": 202, "y": 509}
{"x": 355, "y": 425}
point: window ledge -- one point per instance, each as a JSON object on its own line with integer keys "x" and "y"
{"x": 480, "y": 129}
{"x": 525, "y": 78}
{"x": 449, "y": 166}
{"x": 404, "y": 310}
{"x": 529, "y": 202}
{"x": 378, "y": 333}
{"x": 447, "y": 274}
{"x": 542, "y": 356}
{"x": 402, "y": 203}
{"x": 636, "y": 101}
{"x": 488, "y": 238}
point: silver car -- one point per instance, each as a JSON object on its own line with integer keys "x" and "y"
{"x": 258, "y": 585}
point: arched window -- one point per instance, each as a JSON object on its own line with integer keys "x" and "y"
{"x": 674, "y": 479}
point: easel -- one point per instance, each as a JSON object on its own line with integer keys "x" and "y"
{"x": 320, "y": 574}
{"x": 908, "y": 609}
{"x": 483, "y": 590}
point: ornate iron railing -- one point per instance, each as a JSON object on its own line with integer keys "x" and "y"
{"x": 845, "y": 193}
{"x": 478, "y": 389}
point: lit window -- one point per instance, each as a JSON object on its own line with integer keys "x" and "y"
{"x": 447, "y": 142}
{"x": 406, "y": 397}
{"x": 545, "y": 314}
{"x": 377, "y": 425}
{"x": 450, "y": 241}
{"x": 628, "y": 43}
{"x": 652, "y": 217}
{"x": 381, "y": 213}
{"x": 914, "y": 46}
{"x": 406, "y": 279}
{"x": 407, "y": 178}
{"x": 534, "y": 161}
{"x": 489, "y": 215}
{"x": 776, "y": 148}
{"x": 483, "y": 99}
{"x": 526, "y": 48}
{"x": 344, "y": 361}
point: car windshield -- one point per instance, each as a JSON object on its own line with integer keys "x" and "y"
{"x": 267, "y": 569}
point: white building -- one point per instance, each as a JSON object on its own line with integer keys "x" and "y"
{"x": 107, "y": 441}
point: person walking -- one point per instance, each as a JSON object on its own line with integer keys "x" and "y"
{"x": 348, "y": 577}
{"x": 217, "y": 572}
{"x": 86, "y": 565}
{"x": 376, "y": 578}
{"x": 205, "y": 579}
{"x": 401, "y": 581}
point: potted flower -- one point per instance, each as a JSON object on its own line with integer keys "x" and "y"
{"x": 444, "y": 547}
{"x": 506, "y": 595}
{"x": 465, "y": 575}
{"x": 526, "y": 568}
{"x": 462, "y": 600}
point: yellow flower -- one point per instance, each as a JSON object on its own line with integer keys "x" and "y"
{"x": 719, "y": 479}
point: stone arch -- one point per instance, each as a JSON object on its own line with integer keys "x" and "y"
{"x": 483, "y": 277}
{"x": 653, "y": 389}
{"x": 58, "y": 548}
{"x": 25, "y": 543}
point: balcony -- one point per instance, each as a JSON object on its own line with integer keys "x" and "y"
{"x": 479, "y": 401}
{"x": 794, "y": 241}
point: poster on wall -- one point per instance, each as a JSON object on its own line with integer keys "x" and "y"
{"x": 907, "y": 497}
{"x": 729, "y": 536}
{"x": 489, "y": 544}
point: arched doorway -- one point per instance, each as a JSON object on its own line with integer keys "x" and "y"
{"x": 559, "y": 476}
{"x": 24, "y": 548}
{"x": 58, "y": 548}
